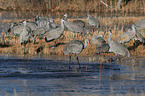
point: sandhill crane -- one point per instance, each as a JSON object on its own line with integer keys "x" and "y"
{"x": 98, "y": 40}
{"x": 74, "y": 47}
{"x": 42, "y": 22}
{"x": 32, "y": 25}
{"x": 117, "y": 48}
{"x": 73, "y": 27}
{"x": 54, "y": 34}
{"x": 100, "y": 43}
{"x": 52, "y": 24}
{"x": 127, "y": 36}
{"x": 24, "y": 36}
{"x": 104, "y": 47}
{"x": 17, "y": 29}
{"x": 140, "y": 25}
{"x": 93, "y": 21}
{"x": 41, "y": 30}
{"x": 79, "y": 22}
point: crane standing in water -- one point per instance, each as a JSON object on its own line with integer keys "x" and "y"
{"x": 74, "y": 47}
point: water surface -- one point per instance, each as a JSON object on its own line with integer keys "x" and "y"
{"x": 45, "y": 77}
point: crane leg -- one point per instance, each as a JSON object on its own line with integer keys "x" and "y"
{"x": 15, "y": 38}
{"x": 78, "y": 61}
{"x": 134, "y": 42}
{"x": 55, "y": 44}
{"x": 118, "y": 60}
{"x": 69, "y": 61}
{"x": 24, "y": 48}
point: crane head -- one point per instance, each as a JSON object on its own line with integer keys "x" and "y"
{"x": 65, "y": 15}
{"x": 25, "y": 22}
{"x": 110, "y": 31}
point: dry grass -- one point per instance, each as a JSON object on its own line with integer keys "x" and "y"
{"x": 137, "y": 6}
{"x": 117, "y": 24}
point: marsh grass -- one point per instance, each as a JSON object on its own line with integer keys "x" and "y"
{"x": 131, "y": 6}
{"x": 118, "y": 25}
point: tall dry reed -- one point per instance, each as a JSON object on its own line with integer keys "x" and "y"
{"x": 137, "y": 6}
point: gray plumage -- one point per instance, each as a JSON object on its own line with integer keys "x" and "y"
{"x": 54, "y": 34}
{"x": 100, "y": 43}
{"x": 24, "y": 36}
{"x": 97, "y": 40}
{"x": 32, "y": 25}
{"x": 127, "y": 36}
{"x": 42, "y": 22}
{"x": 74, "y": 47}
{"x": 140, "y": 25}
{"x": 18, "y": 29}
{"x": 102, "y": 48}
{"x": 117, "y": 48}
{"x": 73, "y": 27}
{"x": 78, "y": 22}
{"x": 93, "y": 21}
{"x": 41, "y": 30}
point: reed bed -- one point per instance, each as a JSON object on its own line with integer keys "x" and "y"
{"x": 130, "y": 6}
{"x": 118, "y": 25}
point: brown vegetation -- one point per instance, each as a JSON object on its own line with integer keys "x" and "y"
{"x": 73, "y": 5}
{"x": 118, "y": 25}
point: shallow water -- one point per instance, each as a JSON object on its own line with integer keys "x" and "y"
{"x": 39, "y": 76}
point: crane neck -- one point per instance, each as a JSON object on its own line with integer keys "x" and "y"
{"x": 133, "y": 28}
{"x": 12, "y": 25}
{"x": 62, "y": 23}
{"x": 86, "y": 43}
{"x": 88, "y": 16}
{"x": 24, "y": 26}
{"x": 109, "y": 39}
{"x": 61, "y": 29}
{"x": 65, "y": 18}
